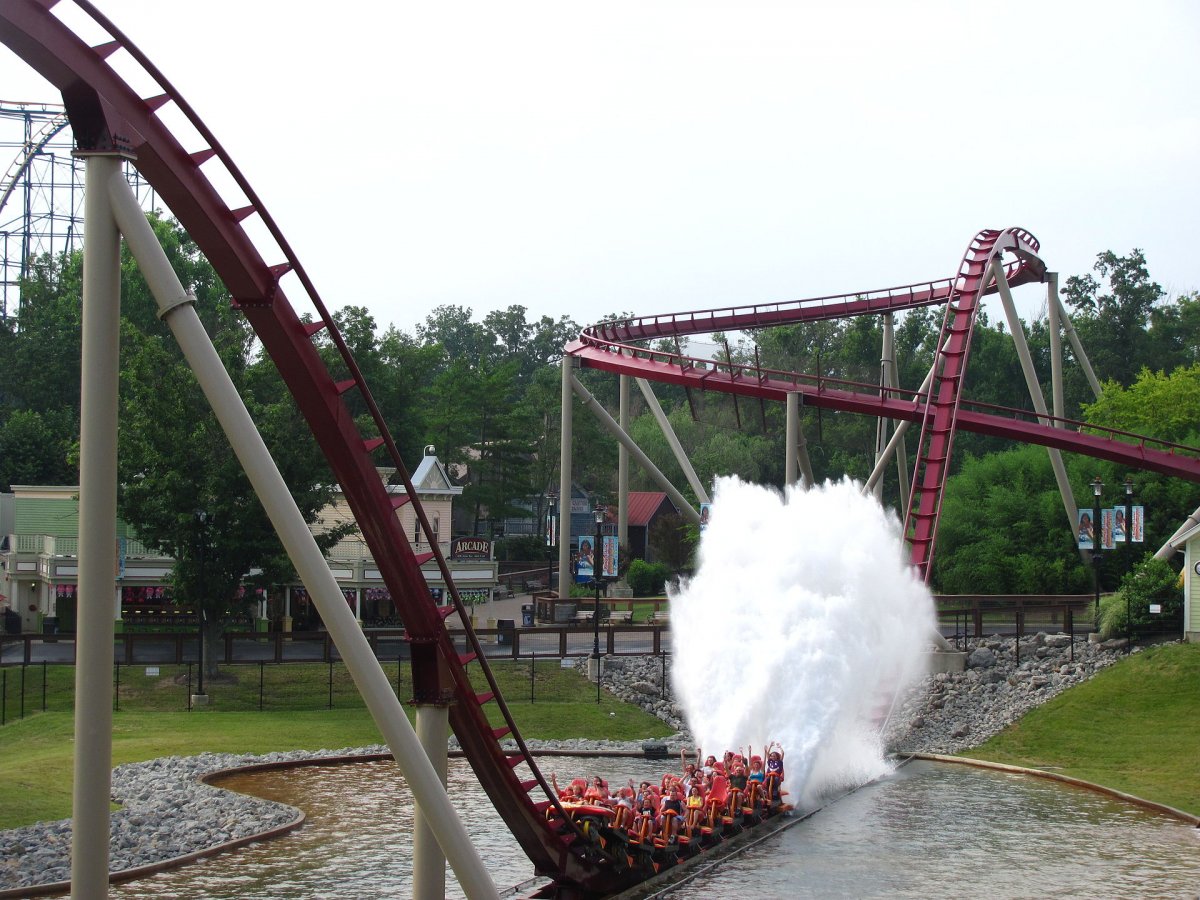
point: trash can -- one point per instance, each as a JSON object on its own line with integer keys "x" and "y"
{"x": 12, "y": 622}
{"x": 505, "y": 631}
{"x": 526, "y": 615}
{"x": 49, "y": 628}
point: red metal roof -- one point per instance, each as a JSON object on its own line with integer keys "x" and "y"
{"x": 644, "y": 505}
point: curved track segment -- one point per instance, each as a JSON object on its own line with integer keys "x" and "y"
{"x": 107, "y": 115}
{"x": 611, "y": 346}
{"x": 975, "y": 278}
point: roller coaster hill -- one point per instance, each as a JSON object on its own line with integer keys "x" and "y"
{"x": 109, "y": 117}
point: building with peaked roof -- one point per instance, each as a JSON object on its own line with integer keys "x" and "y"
{"x": 645, "y": 508}
{"x": 1190, "y": 541}
{"x": 39, "y": 540}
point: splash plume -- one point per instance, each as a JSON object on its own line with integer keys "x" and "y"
{"x": 801, "y": 623}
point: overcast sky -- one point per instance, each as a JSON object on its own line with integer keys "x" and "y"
{"x": 585, "y": 159}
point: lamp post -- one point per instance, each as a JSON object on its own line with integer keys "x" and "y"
{"x": 201, "y": 521}
{"x": 1128, "y": 536}
{"x": 1097, "y": 539}
{"x": 598, "y": 513}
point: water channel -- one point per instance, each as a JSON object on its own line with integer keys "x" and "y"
{"x": 928, "y": 830}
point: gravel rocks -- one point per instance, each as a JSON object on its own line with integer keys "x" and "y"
{"x": 946, "y": 713}
{"x": 167, "y": 812}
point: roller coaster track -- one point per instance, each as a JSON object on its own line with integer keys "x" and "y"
{"x": 620, "y": 346}
{"x": 108, "y": 116}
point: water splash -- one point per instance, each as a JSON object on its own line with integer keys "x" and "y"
{"x": 801, "y": 623}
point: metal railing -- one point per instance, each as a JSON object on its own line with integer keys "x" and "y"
{"x": 180, "y": 647}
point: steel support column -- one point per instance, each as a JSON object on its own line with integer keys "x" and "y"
{"x": 664, "y": 424}
{"x": 1035, "y": 389}
{"x": 566, "y": 439}
{"x": 623, "y": 470}
{"x": 429, "y": 863}
{"x": 97, "y": 534}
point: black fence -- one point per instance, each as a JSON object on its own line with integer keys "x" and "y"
{"x": 507, "y": 640}
{"x": 269, "y": 686}
{"x": 967, "y": 616}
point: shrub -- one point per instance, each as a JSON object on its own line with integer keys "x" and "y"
{"x": 647, "y": 579}
{"x": 1150, "y": 581}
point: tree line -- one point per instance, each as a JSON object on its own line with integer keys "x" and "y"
{"x": 485, "y": 393}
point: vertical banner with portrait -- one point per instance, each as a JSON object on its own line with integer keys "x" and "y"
{"x": 585, "y": 562}
{"x": 705, "y": 514}
{"x": 551, "y": 530}
{"x": 608, "y": 559}
{"x": 1085, "y": 531}
{"x": 1106, "y": 530}
{"x": 1137, "y": 523}
{"x": 1119, "y": 529}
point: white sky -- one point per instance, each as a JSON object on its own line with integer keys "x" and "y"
{"x": 662, "y": 156}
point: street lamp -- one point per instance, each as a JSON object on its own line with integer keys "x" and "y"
{"x": 201, "y": 520}
{"x": 1097, "y": 540}
{"x": 598, "y": 513}
{"x": 1128, "y": 537}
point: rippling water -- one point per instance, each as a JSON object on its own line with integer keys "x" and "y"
{"x": 927, "y": 831}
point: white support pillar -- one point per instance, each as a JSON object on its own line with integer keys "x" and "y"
{"x": 1077, "y": 346}
{"x": 97, "y": 534}
{"x": 177, "y": 311}
{"x": 1056, "y": 369}
{"x": 664, "y": 424}
{"x": 429, "y": 863}
{"x": 610, "y": 424}
{"x": 1035, "y": 389}
{"x": 791, "y": 468}
{"x": 623, "y": 469}
{"x": 887, "y": 363}
{"x": 566, "y": 441}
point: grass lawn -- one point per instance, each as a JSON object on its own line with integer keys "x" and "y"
{"x": 35, "y": 781}
{"x": 1134, "y": 727}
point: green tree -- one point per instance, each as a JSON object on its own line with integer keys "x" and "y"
{"x": 1164, "y": 406}
{"x": 33, "y": 451}
{"x": 1111, "y": 313}
{"x": 174, "y": 460}
{"x": 1003, "y": 530}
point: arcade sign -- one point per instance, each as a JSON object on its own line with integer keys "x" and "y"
{"x": 471, "y": 548}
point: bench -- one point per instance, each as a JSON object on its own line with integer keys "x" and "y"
{"x": 583, "y": 616}
{"x": 659, "y": 617}
{"x": 622, "y": 616}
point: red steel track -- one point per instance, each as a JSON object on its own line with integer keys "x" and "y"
{"x": 107, "y": 115}
{"x": 617, "y": 346}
